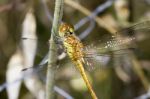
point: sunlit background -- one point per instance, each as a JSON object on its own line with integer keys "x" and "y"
{"x": 118, "y": 68}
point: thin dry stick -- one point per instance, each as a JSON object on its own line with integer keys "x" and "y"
{"x": 52, "y": 53}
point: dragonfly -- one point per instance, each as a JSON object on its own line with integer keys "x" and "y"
{"x": 79, "y": 54}
{"x": 74, "y": 50}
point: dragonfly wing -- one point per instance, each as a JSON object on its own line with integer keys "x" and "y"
{"x": 42, "y": 53}
{"x": 95, "y": 59}
{"x": 125, "y": 39}
{"x": 123, "y": 42}
{"x": 138, "y": 32}
{"x": 43, "y": 46}
{"x": 97, "y": 62}
{"x": 136, "y": 27}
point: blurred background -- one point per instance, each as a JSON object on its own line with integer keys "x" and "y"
{"x": 25, "y": 27}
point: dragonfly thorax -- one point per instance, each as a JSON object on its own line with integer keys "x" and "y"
{"x": 71, "y": 42}
{"x": 74, "y": 47}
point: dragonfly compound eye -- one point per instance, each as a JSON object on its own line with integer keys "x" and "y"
{"x": 65, "y": 28}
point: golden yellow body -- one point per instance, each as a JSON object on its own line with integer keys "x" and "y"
{"x": 74, "y": 49}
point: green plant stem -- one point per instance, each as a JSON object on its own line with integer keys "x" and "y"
{"x": 53, "y": 49}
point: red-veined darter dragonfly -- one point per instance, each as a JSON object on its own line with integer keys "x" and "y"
{"x": 117, "y": 44}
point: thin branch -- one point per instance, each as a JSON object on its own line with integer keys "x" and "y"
{"x": 53, "y": 53}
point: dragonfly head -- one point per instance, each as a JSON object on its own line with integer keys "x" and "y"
{"x": 66, "y": 30}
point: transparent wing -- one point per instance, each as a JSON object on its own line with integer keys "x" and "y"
{"x": 119, "y": 45}
{"x": 42, "y": 52}
{"x": 43, "y": 45}
{"x": 97, "y": 59}
{"x": 100, "y": 53}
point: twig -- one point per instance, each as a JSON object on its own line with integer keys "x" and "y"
{"x": 52, "y": 53}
